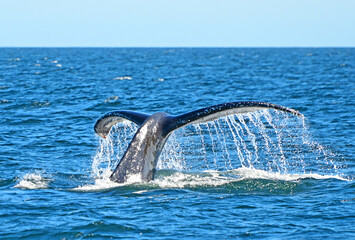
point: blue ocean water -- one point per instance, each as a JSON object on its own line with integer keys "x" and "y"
{"x": 52, "y": 164}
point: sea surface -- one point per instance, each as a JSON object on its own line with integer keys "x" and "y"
{"x": 260, "y": 175}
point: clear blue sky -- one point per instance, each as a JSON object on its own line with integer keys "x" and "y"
{"x": 168, "y": 23}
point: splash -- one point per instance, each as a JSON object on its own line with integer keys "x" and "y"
{"x": 264, "y": 144}
{"x": 100, "y": 184}
{"x": 107, "y": 156}
{"x": 112, "y": 148}
{"x": 33, "y": 181}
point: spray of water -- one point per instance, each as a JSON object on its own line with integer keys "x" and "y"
{"x": 262, "y": 143}
{"x": 112, "y": 148}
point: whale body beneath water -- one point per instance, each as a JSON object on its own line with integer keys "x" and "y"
{"x": 142, "y": 154}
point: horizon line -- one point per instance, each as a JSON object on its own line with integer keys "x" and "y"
{"x": 177, "y": 46}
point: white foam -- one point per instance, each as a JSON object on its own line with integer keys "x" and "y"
{"x": 103, "y": 182}
{"x": 217, "y": 178}
{"x": 251, "y": 173}
{"x": 182, "y": 180}
{"x": 33, "y": 181}
{"x": 111, "y": 99}
{"x": 141, "y": 191}
{"x": 207, "y": 178}
{"x": 100, "y": 184}
{"x": 123, "y": 78}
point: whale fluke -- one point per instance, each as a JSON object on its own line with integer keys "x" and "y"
{"x": 104, "y": 123}
{"x": 142, "y": 154}
{"x": 214, "y": 112}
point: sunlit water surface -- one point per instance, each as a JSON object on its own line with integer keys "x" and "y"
{"x": 258, "y": 175}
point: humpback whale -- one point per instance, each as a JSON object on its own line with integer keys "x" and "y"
{"x": 142, "y": 154}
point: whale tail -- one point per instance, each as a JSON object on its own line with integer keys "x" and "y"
{"x": 212, "y": 113}
{"x": 105, "y": 122}
{"x": 143, "y": 151}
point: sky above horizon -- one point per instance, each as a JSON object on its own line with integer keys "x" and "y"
{"x": 183, "y": 23}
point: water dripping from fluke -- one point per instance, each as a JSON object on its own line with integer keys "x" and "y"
{"x": 265, "y": 144}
